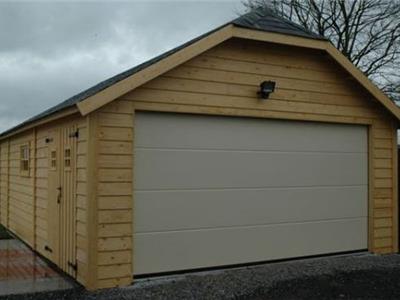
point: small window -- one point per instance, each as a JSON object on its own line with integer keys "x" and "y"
{"x": 67, "y": 158}
{"x": 53, "y": 160}
{"x": 24, "y": 160}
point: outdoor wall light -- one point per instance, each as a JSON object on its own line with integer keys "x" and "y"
{"x": 266, "y": 88}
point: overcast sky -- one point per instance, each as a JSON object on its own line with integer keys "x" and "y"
{"x": 50, "y": 51}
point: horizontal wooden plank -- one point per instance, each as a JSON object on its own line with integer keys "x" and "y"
{"x": 382, "y": 163}
{"x": 81, "y": 148}
{"x": 115, "y": 202}
{"x": 381, "y": 142}
{"x": 81, "y": 255}
{"x": 254, "y": 113}
{"x": 114, "y": 216}
{"x": 81, "y": 162}
{"x": 272, "y": 68}
{"x": 82, "y": 134}
{"x": 41, "y": 172}
{"x": 81, "y": 188}
{"x": 114, "y": 282}
{"x": 115, "y": 175}
{"x": 383, "y": 242}
{"x": 115, "y": 119}
{"x": 115, "y": 188}
{"x": 210, "y": 90}
{"x": 114, "y": 257}
{"x": 115, "y": 244}
{"x": 115, "y": 230}
{"x": 41, "y": 193}
{"x": 81, "y": 175}
{"x": 119, "y": 106}
{"x": 383, "y": 212}
{"x": 213, "y": 75}
{"x": 382, "y": 222}
{"x": 382, "y": 133}
{"x": 383, "y": 232}
{"x": 306, "y": 101}
{"x": 113, "y": 271}
{"x": 266, "y": 53}
{"x": 384, "y": 250}
{"x": 115, "y": 161}
{"x": 81, "y": 215}
{"x": 382, "y": 193}
{"x": 115, "y": 147}
{"x": 383, "y": 173}
{"x": 382, "y": 202}
{"x": 81, "y": 242}
{"x": 81, "y": 228}
{"x": 382, "y": 153}
{"x": 81, "y": 202}
{"x": 383, "y": 183}
{"x": 115, "y": 134}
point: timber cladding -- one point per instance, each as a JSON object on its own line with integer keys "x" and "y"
{"x": 27, "y": 202}
{"x": 222, "y": 81}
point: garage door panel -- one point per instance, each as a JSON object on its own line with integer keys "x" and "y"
{"x": 190, "y": 249}
{"x": 161, "y": 130}
{"x": 230, "y": 208}
{"x": 212, "y": 191}
{"x": 179, "y": 169}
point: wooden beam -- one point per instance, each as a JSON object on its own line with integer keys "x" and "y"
{"x": 395, "y": 205}
{"x": 91, "y": 209}
{"x": 124, "y": 86}
{"x": 63, "y": 113}
{"x": 278, "y": 38}
{"x": 371, "y": 168}
{"x": 34, "y": 157}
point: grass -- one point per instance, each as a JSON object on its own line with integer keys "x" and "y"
{"x": 3, "y": 233}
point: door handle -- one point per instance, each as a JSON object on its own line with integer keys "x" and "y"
{"x": 59, "y": 195}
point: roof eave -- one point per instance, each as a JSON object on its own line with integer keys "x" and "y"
{"x": 66, "y": 112}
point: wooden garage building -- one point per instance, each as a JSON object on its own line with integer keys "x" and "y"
{"x": 177, "y": 164}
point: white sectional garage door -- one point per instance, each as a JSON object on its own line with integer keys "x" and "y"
{"x": 213, "y": 191}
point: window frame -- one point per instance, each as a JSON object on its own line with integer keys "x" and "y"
{"x": 53, "y": 161}
{"x": 24, "y": 160}
{"x": 67, "y": 158}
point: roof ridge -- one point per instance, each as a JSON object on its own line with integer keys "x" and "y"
{"x": 258, "y": 19}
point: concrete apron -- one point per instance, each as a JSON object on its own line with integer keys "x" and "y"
{"x": 22, "y": 271}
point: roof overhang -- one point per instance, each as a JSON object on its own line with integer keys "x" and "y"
{"x": 56, "y": 116}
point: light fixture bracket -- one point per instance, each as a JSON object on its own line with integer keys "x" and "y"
{"x": 266, "y": 88}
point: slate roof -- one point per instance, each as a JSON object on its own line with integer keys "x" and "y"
{"x": 261, "y": 19}
{"x": 266, "y": 20}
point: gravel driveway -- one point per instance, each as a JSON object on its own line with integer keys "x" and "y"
{"x": 357, "y": 276}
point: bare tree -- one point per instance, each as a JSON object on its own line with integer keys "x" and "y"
{"x": 367, "y": 32}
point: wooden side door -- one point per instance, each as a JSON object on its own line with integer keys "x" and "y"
{"x": 54, "y": 195}
{"x": 68, "y": 200}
